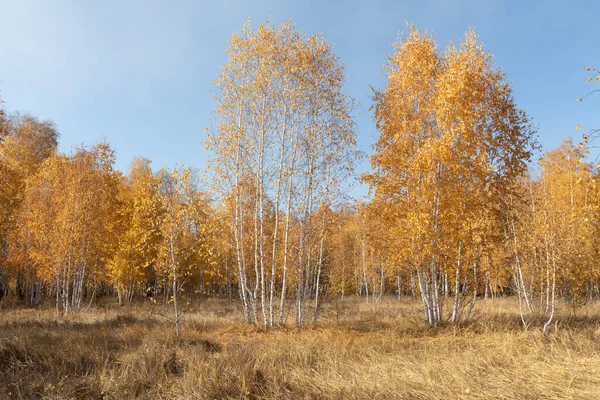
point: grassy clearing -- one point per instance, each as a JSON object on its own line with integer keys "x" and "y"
{"x": 358, "y": 351}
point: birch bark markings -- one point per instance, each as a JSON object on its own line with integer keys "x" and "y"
{"x": 282, "y": 117}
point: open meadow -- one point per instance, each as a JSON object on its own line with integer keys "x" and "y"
{"x": 359, "y": 350}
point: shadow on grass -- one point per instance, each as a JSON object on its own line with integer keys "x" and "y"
{"x": 64, "y": 359}
{"x": 79, "y": 326}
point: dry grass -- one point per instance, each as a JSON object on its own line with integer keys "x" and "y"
{"x": 359, "y": 351}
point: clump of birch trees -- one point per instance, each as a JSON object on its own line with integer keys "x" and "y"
{"x": 283, "y": 145}
{"x": 458, "y": 211}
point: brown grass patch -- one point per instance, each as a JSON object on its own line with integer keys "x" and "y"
{"x": 359, "y": 351}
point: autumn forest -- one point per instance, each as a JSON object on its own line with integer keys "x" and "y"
{"x": 471, "y": 230}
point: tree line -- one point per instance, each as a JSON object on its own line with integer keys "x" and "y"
{"x": 455, "y": 213}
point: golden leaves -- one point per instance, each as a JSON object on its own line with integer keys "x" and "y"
{"x": 68, "y": 211}
{"x": 565, "y": 198}
{"x": 452, "y": 144}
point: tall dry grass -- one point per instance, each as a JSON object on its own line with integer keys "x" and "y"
{"x": 358, "y": 351}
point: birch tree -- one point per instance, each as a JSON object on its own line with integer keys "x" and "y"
{"x": 25, "y": 142}
{"x": 66, "y": 221}
{"x": 284, "y": 141}
{"x": 451, "y": 140}
{"x": 133, "y": 261}
{"x": 180, "y": 228}
{"x": 555, "y": 254}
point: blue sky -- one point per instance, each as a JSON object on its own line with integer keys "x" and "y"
{"x": 139, "y": 72}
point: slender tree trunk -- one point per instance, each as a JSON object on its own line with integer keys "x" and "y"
{"x": 456, "y": 307}
{"x": 261, "y": 216}
{"x": 364, "y": 266}
{"x": 321, "y": 248}
{"x": 475, "y": 284}
{"x": 276, "y": 228}
{"x": 426, "y": 297}
{"x": 446, "y": 285}
{"x": 317, "y": 285}
{"x": 547, "y": 324}
{"x": 519, "y": 269}
{"x": 238, "y": 235}
{"x": 175, "y": 290}
{"x": 547, "y": 275}
{"x": 381, "y": 284}
{"x": 286, "y": 239}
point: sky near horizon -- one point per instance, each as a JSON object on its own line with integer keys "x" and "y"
{"x": 138, "y": 72}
